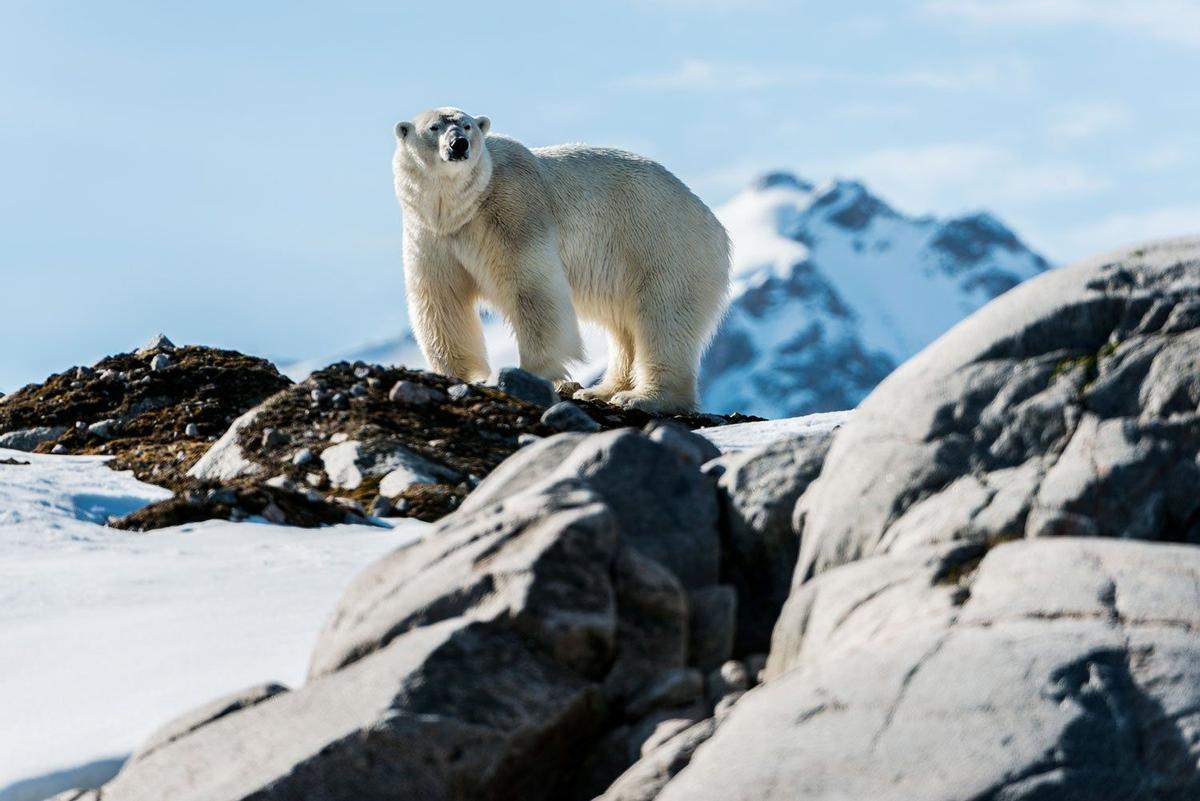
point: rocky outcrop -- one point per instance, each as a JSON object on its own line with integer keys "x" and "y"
{"x": 1068, "y": 406}
{"x": 1056, "y": 668}
{"x": 997, "y": 597}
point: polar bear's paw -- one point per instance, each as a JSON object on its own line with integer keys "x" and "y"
{"x": 649, "y": 402}
{"x": 600, "y": 392}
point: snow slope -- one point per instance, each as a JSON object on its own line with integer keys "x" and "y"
{"x": 108, "y": 634}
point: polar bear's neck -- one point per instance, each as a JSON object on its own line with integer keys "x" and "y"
{"x": 444, "y": 201}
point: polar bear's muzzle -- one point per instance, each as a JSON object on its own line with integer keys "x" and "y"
{"x": 458, "y": 148}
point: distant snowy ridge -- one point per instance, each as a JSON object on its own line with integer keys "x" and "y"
{"x": 832, "y": 289}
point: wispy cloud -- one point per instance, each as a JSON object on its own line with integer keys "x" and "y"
{"x": 1079, "y": 121}
{"x": 701, "y": 75}
{"x": 954, "y": 175}
{"x": 698, "y": 75}
{"x": 1168, "y": 20}
{"x": 1009, "y": 76}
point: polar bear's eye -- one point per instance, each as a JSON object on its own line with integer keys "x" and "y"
{"x": 467, "y": 127}
{"x": 435, "y": 128}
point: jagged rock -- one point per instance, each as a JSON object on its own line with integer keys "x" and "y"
{"x": 540, "y": 561}
{"x": 214, "y": 710}
{"x": 712, "y": 624}
{"x": 526, "y": 386}
{"x": 1067, "y": 406}
{"x": 566, "y": 416}
{"x": 156, "y": 343}
{"x": 29, "y": 438}
{"x": 458, "y": 709}
{"x": 646, "y": 778}
{"x": 664, "y": 509}
{"x": 691, "y": 447}
{"x": 759, "y": 490}
{"x": 161, "y": 361}
{"x": 104, "y": 429}
{"x": 652, "y": 624}
{"x": 1045, "y": 668}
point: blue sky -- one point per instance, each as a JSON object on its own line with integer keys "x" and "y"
{"x": 220, "y": 170}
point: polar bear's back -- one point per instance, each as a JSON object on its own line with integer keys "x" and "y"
{"x": 628, "y": 225}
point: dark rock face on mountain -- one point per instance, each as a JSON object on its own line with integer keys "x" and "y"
{"x": 997, "y": 597}
{"x": 833, "y": 288}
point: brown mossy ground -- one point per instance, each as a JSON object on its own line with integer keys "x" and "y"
{"x": 463, "y": 438}
{"x": 151, "y": 409}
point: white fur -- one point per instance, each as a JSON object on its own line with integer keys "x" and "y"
{"x": 545, "y": 234}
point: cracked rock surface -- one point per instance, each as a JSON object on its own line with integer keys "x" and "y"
{"x": 1067, "y": 406}
{"x": 1049, "y": 668}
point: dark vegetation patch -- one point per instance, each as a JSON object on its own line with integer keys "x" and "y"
{"x": 159, "y": 420}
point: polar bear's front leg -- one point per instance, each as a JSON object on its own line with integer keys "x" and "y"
{"x": 536, "y": 300}
{"x": 441, "y": 307}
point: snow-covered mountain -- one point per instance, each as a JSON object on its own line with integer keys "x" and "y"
{"x": 832, "y": 290}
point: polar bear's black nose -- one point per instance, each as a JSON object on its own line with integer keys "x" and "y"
{"x": 458, "y": 147}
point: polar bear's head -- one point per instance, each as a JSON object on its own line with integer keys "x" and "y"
{"x": 442, "y": 138}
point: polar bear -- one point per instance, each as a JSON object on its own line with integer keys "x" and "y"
{"x": 545, "y": 234}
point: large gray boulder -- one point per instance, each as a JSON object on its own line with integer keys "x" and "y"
{"x": 542, "y": 562}
{"x": 455, "y": 710}
{"x": 663, "y": 505}
{"x": 1067, "y": 406}
{"x": 759, "y": 490}
{"x": 1047, "y": 668}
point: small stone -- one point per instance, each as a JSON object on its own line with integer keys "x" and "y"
{"x": 730, "y": 677}
{"x": 59, "y": 449}
{"x": 339, "y": 400}
{"x": 102, "y": 429}
{"x": 349, "y": 503}
{"x": 460, "y": 392}
{"x": 566, "y": 416}
{"x": 414, "y": 394}
{"x": 375, "y": 383}
{"x": 527, "y": 439}
{"x": 362, "y": 371}
{"x": 191, "y": 430}
{"x": 109, "y": 375}
{"x": 281, "y": 482}
{"x": 313, "y": 496}
{"x": 157, "y": 342}
{"x": 526, "y": 386}
{"x": 80, "y": 426}
{"x": 382, "y": 507}
{"x": 339, "y": 437}
{"x": 567, "y": 389}
{"x": 160, "y": 362}
{"x": 314, "y": 479}
{"x": 402, "y": 505}
{"x": 273, "y": 514}
{"x": 84, "y": 373}
{"x": 358, "y": 390}
{"x": 317, "y": 395}
{"x": 303, "y": 457}
{"x": 273, "y": 438}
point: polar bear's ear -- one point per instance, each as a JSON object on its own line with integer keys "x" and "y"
{"x": 484, "y": 124}
{"x": 403, "y": 129}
